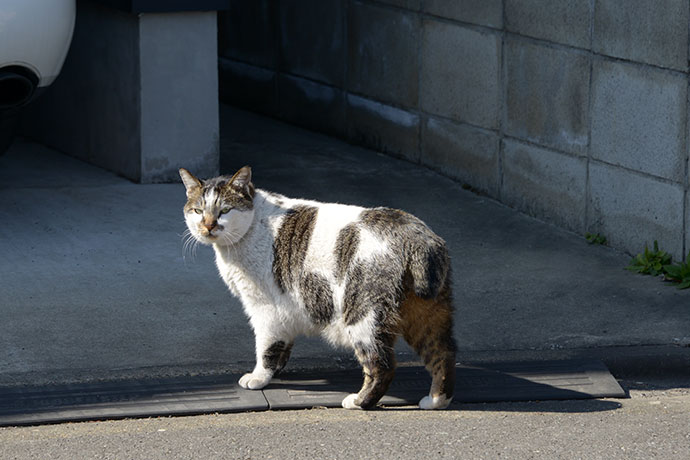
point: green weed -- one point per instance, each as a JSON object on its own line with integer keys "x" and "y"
{"x": 657, "y": 262}
{"x": 595, "y": 238}
{"x": 679, "y": 273}
{"x": 650, "y": 262}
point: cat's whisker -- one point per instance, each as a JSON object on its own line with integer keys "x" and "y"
{"x": 189, "y": 245}
{"x": 194, "y": 246}
{"x": 230, "y": 237}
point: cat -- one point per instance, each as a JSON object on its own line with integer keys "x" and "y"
{"x": 360, "y": 277}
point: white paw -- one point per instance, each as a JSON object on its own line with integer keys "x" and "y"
{"x": 254, "y": 381}
{"x": 349, "y": 402}
{"x": 436, "y": 402}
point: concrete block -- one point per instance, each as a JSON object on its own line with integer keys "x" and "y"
{"x": 460, "y": 73}
{"x": 179, "y": 108}
{"x": 127, "y": 100}
{"x": 643, "y": 30}
{"x": 547, "y": 95}
{"x": 312, "y": 105}
{"x": 247, "y": 86}
{"x": 383, "y": 128}
{"x": 632, "y": 210}
{"x": 463, "y": 152}
{"x": 247, "y": 32}
{"x": 312, "y": 40}
{"x": 638, "y": 118}
{"x": 483, "y": 12}
{"x": 545, "y": 184}
{"x": 382, "y": 54}
{"x": 557, "y": 21}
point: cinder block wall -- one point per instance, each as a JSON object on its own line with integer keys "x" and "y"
{"x": 573, "y": 111}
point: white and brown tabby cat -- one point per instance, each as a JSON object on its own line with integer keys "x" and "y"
{"x": 359, "y": 277}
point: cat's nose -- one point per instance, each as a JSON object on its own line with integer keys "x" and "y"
{"x": 210, "y": 225}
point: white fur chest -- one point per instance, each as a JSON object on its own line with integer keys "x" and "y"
{"x": 247, "y": 280}
{"x": 262, "y": 300}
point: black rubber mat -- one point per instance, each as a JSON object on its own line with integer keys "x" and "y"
{"x": 533, "y": 381}
{"x": 128, "y": 399}
{"x": 328, "y": 389}
{"x": 549, "y": 380}
{"x": 530, "y": 381}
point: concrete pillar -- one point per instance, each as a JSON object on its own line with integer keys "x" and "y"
{"x": 138, "y": 93}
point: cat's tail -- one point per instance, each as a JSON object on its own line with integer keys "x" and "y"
{"x": 428, "y": 264}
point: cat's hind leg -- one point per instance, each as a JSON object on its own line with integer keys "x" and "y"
{"x": 427, "y": 325}
{"x": 378, "y": 366}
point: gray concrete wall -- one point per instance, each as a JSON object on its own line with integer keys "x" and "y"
{"x": 573, "y": 111}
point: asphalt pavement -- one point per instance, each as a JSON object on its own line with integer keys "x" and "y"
{"x": 653, "y": 423}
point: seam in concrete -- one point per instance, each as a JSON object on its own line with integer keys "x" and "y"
{"x": 407, "y": 108}
{"x": 277, "y": 63}
{"x": 346, "y": 80}
{"x": 604, "y": 58}
{"x": 592, "y": 15}
{"x": 588, "y": 189}
{"x": 421, "y": 116}
{"x": 637, "y": 173}
{"x": 593, "y": 160}
{"x": 520, "y": 38}
{"x": 470, "y": 25}
{"x": 230, "y": 61}
{"x": 583, "y": 51}
{"x": 503, "y": 105}
{"x": 139, "y": 103}
{"x": 483, "y": 129}
{"x": 388, "y": 6}
{"x": 684, "y": 253}
{"x": 543, "y": 147}
{"x": 669, "y": 71}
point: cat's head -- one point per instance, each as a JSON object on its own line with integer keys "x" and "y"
{"x": 219, "y": 210}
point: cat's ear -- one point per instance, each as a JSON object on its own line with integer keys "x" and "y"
{"x": 243, "y": 179}
{"x": 190, "y": 182}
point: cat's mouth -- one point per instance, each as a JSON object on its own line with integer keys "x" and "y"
{"x": 209, "y": 235}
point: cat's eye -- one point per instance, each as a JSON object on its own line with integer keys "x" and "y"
{"x": 198, "y": 211}
{"x": 225, "y": 211}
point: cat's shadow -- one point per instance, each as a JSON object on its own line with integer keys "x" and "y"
{"x": 477, "y": 389}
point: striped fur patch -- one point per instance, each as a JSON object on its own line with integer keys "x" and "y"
{"x": 374, "y": 287}
{"x": 424, "y": 253}
{"x": 318, "y": 298}
{"x": 291, "y": 244}
{"x": 345, "y": 249}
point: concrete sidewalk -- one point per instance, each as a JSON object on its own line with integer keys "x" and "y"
{"x": 95, "y": 283}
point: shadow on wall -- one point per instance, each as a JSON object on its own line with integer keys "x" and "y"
{"x": 573, "y": 112}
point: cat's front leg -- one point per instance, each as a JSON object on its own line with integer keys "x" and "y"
{"x": 271, "y": 356}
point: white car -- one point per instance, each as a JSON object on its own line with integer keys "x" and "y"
{"x": 34, "y": 39}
